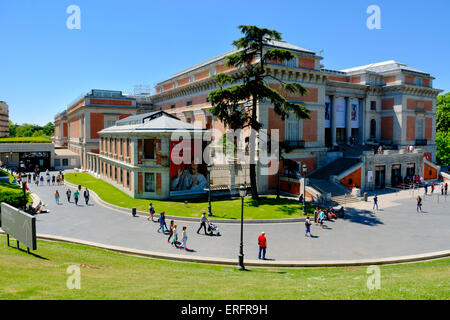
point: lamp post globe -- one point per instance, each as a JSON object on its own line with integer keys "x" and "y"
{"x": 242, "y": 194}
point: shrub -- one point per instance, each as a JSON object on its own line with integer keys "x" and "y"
{"x": 3, "y": 173}
{"x": 12, "y": 194}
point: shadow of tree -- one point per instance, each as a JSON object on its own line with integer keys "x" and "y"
{"x": 364, "y": 217}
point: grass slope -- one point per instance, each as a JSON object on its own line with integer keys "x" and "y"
{"x": 110, "y": 275}
{"x": 264, "y": 208}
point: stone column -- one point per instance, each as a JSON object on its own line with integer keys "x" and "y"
{"x": 333, "y": 120}
{"x": 348, "y": 119}
{"x": 362, "y": 124}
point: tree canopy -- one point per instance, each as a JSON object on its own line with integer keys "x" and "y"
{"x": 443, "y": 129}
{"x": 236, "y": 99}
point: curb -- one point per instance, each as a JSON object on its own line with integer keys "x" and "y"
{"x": 252, "y": 263}
{"x": 142, "y": 213}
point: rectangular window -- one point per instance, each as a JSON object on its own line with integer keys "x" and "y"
{"x": 57, "y": 162}
{"x": 418, "y": 81}
{"x": 120, "y": 147}
{"x": 212, "y": 71}
{"x": 373, "y": 105}
{"x": 191, "y": 78}
{"x": 172, "y": 106}
{"x": 175, "y": 84}
{"x": 149, "y": 149}
{"x": 65, "y": 162}
{"x": 128, "y": 179}
{"x": 189, "y": 103}
{"x": 149, "y": 182}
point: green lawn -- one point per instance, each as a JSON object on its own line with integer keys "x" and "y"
{"x": 110, "y": 275}
{"x": 264, "y": 208}
{"x": 26, "y": 140}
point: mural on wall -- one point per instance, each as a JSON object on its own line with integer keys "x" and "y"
{"x": 188, "y": 172}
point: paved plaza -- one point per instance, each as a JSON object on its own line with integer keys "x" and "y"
{"x": 395, "y": 230}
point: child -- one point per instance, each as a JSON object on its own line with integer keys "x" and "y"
{"x": 57, "y": 196}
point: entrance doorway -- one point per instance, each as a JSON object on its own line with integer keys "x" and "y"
{"x": 33, "y": 160}
{"x": 380, "y": 177}
{"x": 396, "y": 177}
{"x": 328, "y": 137}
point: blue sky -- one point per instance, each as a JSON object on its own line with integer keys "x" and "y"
{"x": 44, "y": 65}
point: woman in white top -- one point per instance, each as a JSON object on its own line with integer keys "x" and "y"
{"x": 184, "y": 237}
{"x": 174, "y": 236}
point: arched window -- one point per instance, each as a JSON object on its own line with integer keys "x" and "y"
{"x": 373, "y": 128}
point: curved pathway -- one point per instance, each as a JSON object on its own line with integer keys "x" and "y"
{"x": 396, "y": 230}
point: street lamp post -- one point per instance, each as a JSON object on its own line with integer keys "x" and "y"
{"x": 304, "y": 169}
{"x": 209, "y": 190}
{"x": 242, "y": 193}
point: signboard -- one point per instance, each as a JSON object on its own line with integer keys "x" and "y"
{"x": 340, "y": 112}
{"x": 370, "y": 176}
{"x": 18, "y": 224}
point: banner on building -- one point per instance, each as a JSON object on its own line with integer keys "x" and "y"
{"x": 188, "y": 171}
{"x": 340, "y": 112}
{"x": 327, "y": 112}
{"x": 354, "y": 104}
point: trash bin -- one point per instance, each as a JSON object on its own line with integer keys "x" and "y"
{"x": 133, "y": 212}
{"x": 365, "y": 196}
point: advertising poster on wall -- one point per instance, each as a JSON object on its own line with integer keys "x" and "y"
{"x": 340, "y": 113}
{"x": 188, "y": 172}
{"x": 354, "y": 113}
{"x": 327, "y": 112}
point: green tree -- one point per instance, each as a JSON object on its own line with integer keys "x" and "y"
{"x": 12, "y": 129}
{"x": 443, "y": 129}
{"x": 49, "y": 129}
{"x": 443, "y": 148}
{"x": 443, "y": 112}
{"x": 235, "y": 101}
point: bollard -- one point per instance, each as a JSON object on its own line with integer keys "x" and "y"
{"x": 366, "y": 195}
{"x": 133, "y": 212}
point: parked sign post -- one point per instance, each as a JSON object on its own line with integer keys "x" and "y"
{"x": 19, "y": 225}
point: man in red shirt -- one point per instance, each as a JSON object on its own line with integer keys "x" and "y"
{"x": 262, "y": 242}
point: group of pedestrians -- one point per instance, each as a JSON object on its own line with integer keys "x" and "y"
{"x": 39, "y": 179}
{"x": 173, "y": 239}
{"x": 76, "y": 195}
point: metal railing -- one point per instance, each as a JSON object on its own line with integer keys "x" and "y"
{"x": 298, "y": 144}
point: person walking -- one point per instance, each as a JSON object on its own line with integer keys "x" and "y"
{"x": 322, "y": 217}
{"x": 442, "y": 189}
{"x": 76, "y": 194}
{"x": 37, "y": 181}
{"x": 57, "y": 197}
{"x": 48, "y": 180}
{"x": 53, "y": 180}
{"x": 432, "y": 187}
{"x": 170, "y": 230}
{"x": 308, "y": 226}
{"x": 162, "y": 222}
{"x": 184, "y": 238}
{"x": 445, "y": 188}
{"x": 375, "y": 202}
{"x": 41, "y": 180}
{"x": 68, "y": 193}
{"x": 86, "y": 195}
{"x": 79, "y": 187}
{"x": 262, "y": 243}
{"x": 419, "y": 203}
{"x": 426, "y": 188}
{"x": 174, "y": 236}
{"x": 203, "y": 222}
{"x": 151, "y": 210}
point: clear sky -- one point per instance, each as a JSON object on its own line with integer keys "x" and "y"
{"x": 44, "y": 65}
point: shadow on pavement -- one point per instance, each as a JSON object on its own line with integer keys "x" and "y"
{"x": 364, "y": 217}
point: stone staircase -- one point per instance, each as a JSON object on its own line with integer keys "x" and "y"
{"x": 320, "y": 179}
{"x": 334, "y": 168}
